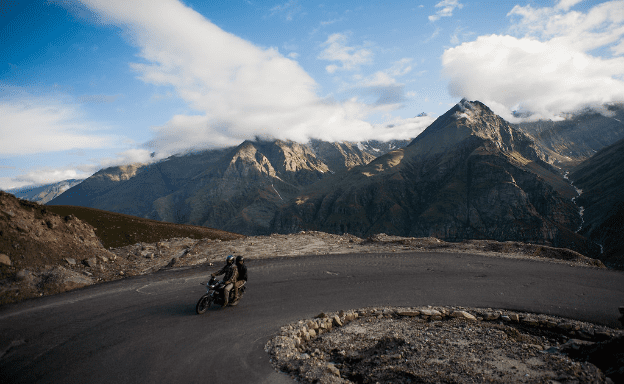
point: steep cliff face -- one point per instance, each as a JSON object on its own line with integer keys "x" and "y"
{"x": 580, "y": 135}
{"x": 470, "y": 175}
{"x": 342, "y": 156}
{"x": 600, "y": 180}
{"x": 244, "y": 188}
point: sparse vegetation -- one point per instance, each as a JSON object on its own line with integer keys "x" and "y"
{"x": 118, "y": 230}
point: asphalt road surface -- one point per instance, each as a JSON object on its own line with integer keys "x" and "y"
{"x": 145, "y": 329}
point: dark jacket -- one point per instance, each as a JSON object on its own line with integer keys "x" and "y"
{"x": 230, "y": 273}
{"x": 242, "y": 272}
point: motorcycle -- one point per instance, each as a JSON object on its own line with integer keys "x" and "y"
{"x": 214, "y": 295}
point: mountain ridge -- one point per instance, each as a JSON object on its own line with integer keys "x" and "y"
{"x": 43, "y": 193}
{"x": 452, "y": 193}
{"x": 469, "y": 175}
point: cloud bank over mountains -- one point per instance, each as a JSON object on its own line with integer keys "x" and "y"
{"x": 565, "y": 60}
{"x": 239, "y": 90}
{"x": 47, "y": 124}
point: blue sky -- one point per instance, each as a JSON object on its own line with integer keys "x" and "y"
{"x": 94, "y": 83}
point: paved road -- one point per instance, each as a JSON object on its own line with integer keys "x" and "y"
{"x": 145, "y": 330}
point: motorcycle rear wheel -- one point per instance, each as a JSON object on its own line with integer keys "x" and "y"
{"x": 203, "y": 304}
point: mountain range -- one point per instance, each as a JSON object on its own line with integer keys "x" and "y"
{"x": 469, "y": 175}
{"x": 44, "y": 193}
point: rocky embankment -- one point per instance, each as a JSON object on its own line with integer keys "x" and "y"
{"x": 446, "y": 344}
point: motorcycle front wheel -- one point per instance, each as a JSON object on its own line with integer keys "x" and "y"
{"x": 203, "y": 304}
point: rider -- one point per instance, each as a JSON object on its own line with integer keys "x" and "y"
{"x": 230, "y": 273}
{"x": 242, "y": 277}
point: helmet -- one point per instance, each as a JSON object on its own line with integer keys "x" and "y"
{"x": 229, "y": 259}
{"x": 240, "y": 259}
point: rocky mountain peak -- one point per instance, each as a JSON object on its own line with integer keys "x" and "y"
{"x": 469, "y": 120}
{"x": 248, "y": 160}
{"x": 275, "y": 158}
{"x": 341, "y": 156}
{"x": 120, "y": 172}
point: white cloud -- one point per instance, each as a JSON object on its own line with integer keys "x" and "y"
{"x": 336, "y": 49}
{"x": 38, "y": 124}
{"x": 50, "y": 175}
{"x": 446, "y": 8}
{"x": 401, "y": 67}
{"x": 288, "y": 9}
{"x": 238, "y": 90}
{"x": 553, "y": 68}
{"x": 43, "y": 176}
{"x": 567, "y": 4}
{"x": 403, "y": 129}
{"x": 601, "y": 26}
{"x": 130, "y": 156}
{"x": 383, "y": 86}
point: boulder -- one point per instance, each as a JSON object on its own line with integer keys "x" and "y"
{"x": 8, "y": 213}
{"x": 531, "y": 321}
{"x": 90, "y": 262}
{"x": 74, "y": 281}
{"x": 430, "y": 312}
{"x": 337, "y": 321}
{"x": 24, "y": 275}
{"x": 22, "y": 227}
{"x": 4, "y": 259}
{"x": 463, "y": 315}
{"x": 408, "y": 313}
{"x": 489, "y": 316}
{"x": 331, "y": 368}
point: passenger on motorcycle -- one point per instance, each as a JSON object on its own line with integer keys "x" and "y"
{"x": 242, "y": 277}
{"x": 230, "y": 273}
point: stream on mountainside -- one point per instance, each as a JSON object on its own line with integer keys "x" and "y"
{"x": 580, "y": 208}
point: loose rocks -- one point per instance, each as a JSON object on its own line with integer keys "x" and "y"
{"x": 430, "y": 345}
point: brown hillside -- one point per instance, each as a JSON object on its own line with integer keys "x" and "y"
{"x": 52, "y": 249}
{"x": 118, "y": 230}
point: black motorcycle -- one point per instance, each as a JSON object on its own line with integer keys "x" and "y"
{"x": 214, "y": 295}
